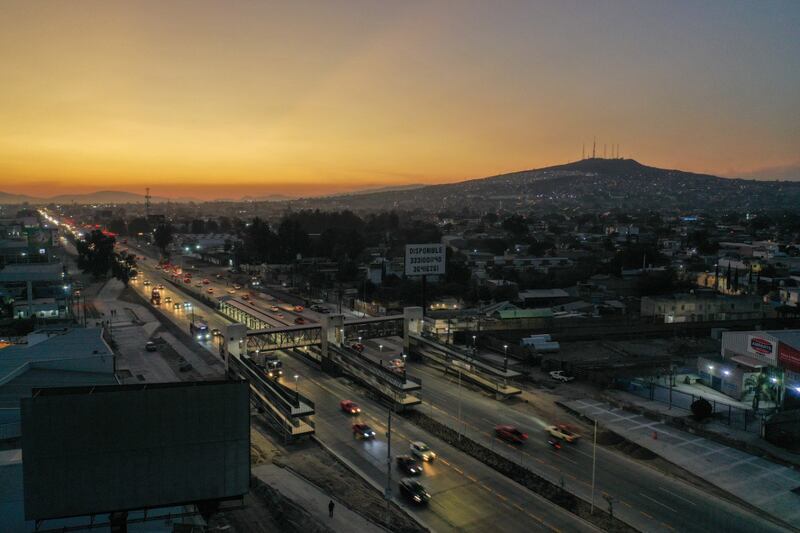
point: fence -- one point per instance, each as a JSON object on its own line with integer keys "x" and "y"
{"x": 733, "y": 416}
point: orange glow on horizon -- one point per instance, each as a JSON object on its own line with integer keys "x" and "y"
{"x": 209, "y": 100}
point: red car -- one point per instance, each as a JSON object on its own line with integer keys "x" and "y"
{"x": 206, "y": 282}
{"x": 358, "y": 347}
{"x": 299, "y": 320}
{"x": 350, "y": 407}
{"x": 363, "y": 431}
{"x": 245, "y": 297}
{"x": 187, "y": 280}
{"x": 510, "y": 434}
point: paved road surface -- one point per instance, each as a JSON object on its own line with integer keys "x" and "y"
{"x": 767, "y": 485}
{"x": 643, "y": 497}
{"x": 467, "y": 495}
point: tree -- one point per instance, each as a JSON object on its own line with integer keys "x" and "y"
{"x": 701, "y": 409}
{"x": 118, "y": 226}
{"x": 95, "y": 253}
{"x": 198, "y": 226}
{"x": 123, "y": 267}
{"x": 163, "y": 237}
{"x": 515, "y": 225}
{"x": 138, "y": 225}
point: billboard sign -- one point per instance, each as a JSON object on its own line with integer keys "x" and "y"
{"x": 96, "y": 450}
{"x": 789, "y": 357}
{"x": 759, "y": 345}
{"x": 425, "y": 259}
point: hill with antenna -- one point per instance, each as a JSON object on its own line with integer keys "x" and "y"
{"x": 589, "y": 184}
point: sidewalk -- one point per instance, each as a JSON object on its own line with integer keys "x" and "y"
{"x": 750, "y": 441}
{"x": 764, "y": 484}
{"x": 313, "y": 500}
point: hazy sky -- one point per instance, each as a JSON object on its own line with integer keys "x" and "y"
{"x": 225, "y": 98}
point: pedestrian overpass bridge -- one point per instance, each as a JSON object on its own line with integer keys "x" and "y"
{"x": 330, "y": 344}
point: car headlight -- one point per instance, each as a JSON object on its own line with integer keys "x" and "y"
{"x": 199, "y": 337}
{"x": 417, "y": 499}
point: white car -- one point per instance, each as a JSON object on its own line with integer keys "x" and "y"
{"x": 421, "y": 450}
{"x": 562, "y": 432}
{"x": 558, "y": 375}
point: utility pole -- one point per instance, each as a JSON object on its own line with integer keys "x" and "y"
{"x": 594, "y": 464}
{"x": 388, "y": 494}
{"x": 459, "y": 404}
{"x": 147, "y": 203}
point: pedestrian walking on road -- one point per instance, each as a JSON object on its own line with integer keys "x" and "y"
{"x": 331, "y": 505}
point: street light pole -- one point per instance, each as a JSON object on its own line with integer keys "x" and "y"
{"x": 388, "y": 494}
{"x": 459, "y": 404}
{"x": 594, "y": 463}
{"x": 505, "y": 358}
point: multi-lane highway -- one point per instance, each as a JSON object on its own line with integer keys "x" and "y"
{"x": 642, "y": 496}
{"x": 466, "y": 495}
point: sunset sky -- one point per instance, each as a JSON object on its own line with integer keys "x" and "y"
{"x": 224, "y": 99}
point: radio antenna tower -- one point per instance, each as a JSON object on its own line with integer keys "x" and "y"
{"x": 147, "y": 203}
{"x": 604, "y": 150}
{"x": 594, "y": 144}
{"x": 583, "y": 152}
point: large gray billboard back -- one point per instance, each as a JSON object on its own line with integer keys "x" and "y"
{"x": 131, "y": 447}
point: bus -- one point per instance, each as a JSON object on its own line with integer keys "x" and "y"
{"x": 200, "y": 330}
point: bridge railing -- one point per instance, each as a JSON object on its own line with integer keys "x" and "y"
{"x": 288, "y": 403}
{"x": 403, "y": 382}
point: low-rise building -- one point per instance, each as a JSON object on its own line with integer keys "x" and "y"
{"x": 51, "y": 357}
{"x": 694, "y": 307}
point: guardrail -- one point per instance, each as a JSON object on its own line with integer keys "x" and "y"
{"x": 288, "y": 408}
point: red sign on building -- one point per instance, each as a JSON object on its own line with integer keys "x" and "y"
{"x": 789, "y": 357}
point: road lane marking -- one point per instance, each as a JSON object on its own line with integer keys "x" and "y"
{"x": 658, "y": 502}
{"x": 677, "y": 496}
{"x": 667, "y": 526}
{"x": 647, "y": 515}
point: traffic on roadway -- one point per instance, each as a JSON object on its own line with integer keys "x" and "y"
{"x": 446, "y": 489}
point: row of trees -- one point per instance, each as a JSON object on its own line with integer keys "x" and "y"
{"x": 96, "y": 256}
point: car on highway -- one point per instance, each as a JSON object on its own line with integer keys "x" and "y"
{"x": 357, "y": 347}
{"x": 219, "y": 276}
{"x": 187, "y": 280}
{"x": 363, "y": 431}
{"x": 150, "y": 346}
{"x": 349, "y": 407}
{"x": 408, "y": 465}
{"x": 210, "y": 290}
{"x": 563, "y": 432}
{"x": 198, "y": 285}
{"x": 187, "y": 305}
{"x": 245, "y": 296}
{"x": 177, "y": 305}
{"x": 299, "y": 320}
{"x": 510, "y": 434}
{"x": 274, "y": 309}
{"x": 216, "y": 333}
{"x": 231, "y": 291}
{"x": 414, "y": 491}
{"x": 279, "y": 315}
{"x": 160, "y": 287}
{"x": 559, "y": 375}
{"x": 299, "y": 308}
{"x": 168, "y": 300}
{"x": 237, "y": 286}
{"x": 206, "y": 282}
{"x": 146, "y": 283}
{"x": 421, "y": 450}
